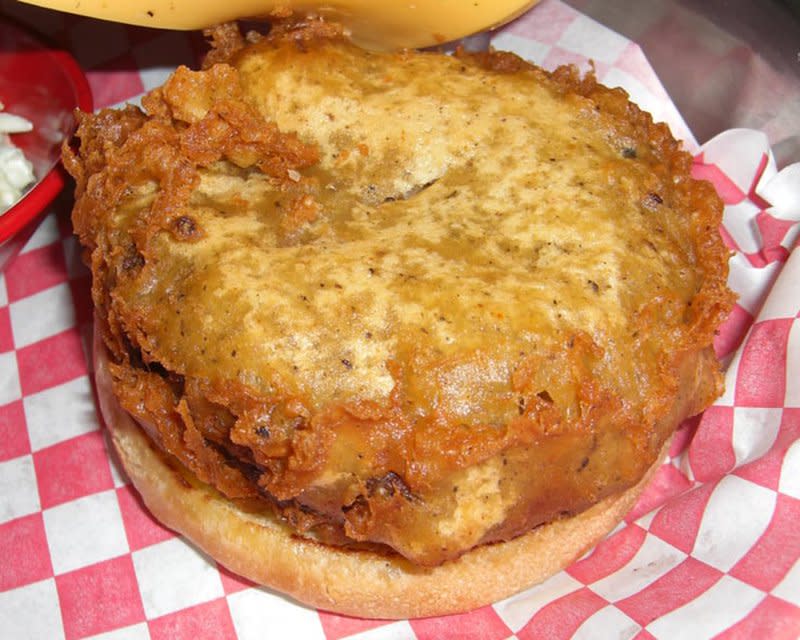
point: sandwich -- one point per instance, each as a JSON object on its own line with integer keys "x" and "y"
{"x": 396, "y": 334}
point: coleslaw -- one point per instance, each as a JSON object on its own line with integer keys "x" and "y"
{"x": 16, "y": 171}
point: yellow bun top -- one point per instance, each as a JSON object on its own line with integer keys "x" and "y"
{"x": 385, "y": 24}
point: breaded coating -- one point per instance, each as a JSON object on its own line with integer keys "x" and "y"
{"x": 408, "y": 301}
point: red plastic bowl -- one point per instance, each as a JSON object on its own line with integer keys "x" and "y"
{"x": 43, "y": 84}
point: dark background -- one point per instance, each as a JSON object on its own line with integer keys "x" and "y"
{"x": 725, "y": 63}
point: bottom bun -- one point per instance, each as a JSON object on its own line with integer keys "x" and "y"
{"x": 357, "y": 583}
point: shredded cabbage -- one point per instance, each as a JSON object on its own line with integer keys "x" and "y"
{"x": 16, "y": 171}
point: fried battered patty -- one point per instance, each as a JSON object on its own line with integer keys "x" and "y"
{"x": 407, "y": 301}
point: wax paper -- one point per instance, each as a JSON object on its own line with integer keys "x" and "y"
{"x": 711, "y": 550}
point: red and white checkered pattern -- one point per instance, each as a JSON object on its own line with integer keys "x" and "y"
{"x": 554, "y": 34}
{"x": 711, "y": 550}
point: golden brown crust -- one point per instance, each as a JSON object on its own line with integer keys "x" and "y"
{"x": 429, "y": 333}
{"x": 358, "y": 583}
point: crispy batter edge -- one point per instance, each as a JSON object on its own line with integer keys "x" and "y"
{"x": 712, "y": 302}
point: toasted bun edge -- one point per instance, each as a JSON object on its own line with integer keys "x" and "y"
{"x": 357, "y": 583}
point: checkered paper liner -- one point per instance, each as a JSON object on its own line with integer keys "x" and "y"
{"x": 711, "y": 550}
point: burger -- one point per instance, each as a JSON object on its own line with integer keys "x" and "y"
{"x": 396, "y": 334}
